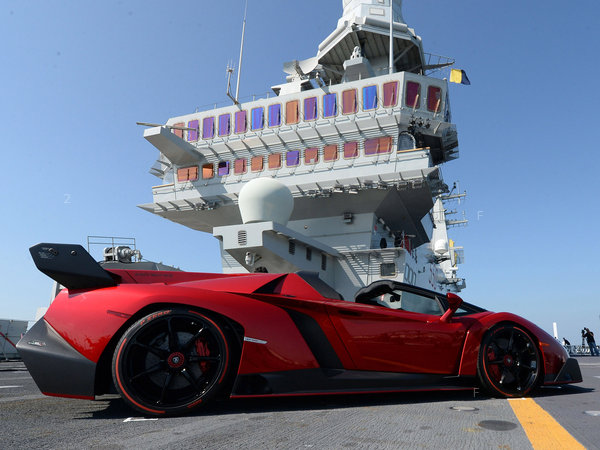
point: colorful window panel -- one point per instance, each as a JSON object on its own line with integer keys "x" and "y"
{"x": 413, "y": 94}
{"x": 378, "y": 146}
{"x": 224, "y": 124}
{"x": 350, "y": 150}
{"x": 241, "y": 125}
{"x": 193, "y": 133}
{"x": 257, "y": 164}
{"x": 176, "y": 132}
{"x": 208, "y": 128}
{"x": 208, "y": 171}
{"x": 275, "y": 115}
{"x": 369, "y": 95}
{"x": 187, "y": 174}
{"x": 274, "y": 161}
{"x": 291, "y": 112}
{"x": 434, "y": 98}
{"x": 311, "y": 155}
{"x": 310, "y": 108}
{"x": 257, "y": 119}
{"x": 240, "y": 166}
{"x": 329, "y": 105}
{"x": 223, "y": 168}
{"x": 390, "y": 94}
{"x": 292, "y": 158}
{"x": 330, "y": 153}
{"x": 349, "y": 101}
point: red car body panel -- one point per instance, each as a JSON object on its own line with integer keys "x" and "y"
{"x": 293, "y": 338}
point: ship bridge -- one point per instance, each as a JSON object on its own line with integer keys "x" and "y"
{"x": 358, "y": 146}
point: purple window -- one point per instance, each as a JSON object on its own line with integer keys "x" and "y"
{"x": 413, "y": 92}
{"x": 208, "y": 128}
{"x": 292, "y": 158}
{"x": 258, "y": 119}
{"x": 240, "y": 122}
{"x": 224, "y": 124}
{"x": 193, "y": 134}
{"x": 223, "y": 168}
{"x": 310, "y": 108}
{"x": 274, "y": 115}
{"x": 329, "y": 105}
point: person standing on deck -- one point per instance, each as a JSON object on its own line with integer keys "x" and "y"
{"x": 589, "y": 336}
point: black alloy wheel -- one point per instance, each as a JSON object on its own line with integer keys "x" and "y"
{"x": 509, "y": 361}
{"x": 171, "y": 362}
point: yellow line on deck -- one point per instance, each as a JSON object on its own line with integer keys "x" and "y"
{"x": 543, "y": 431}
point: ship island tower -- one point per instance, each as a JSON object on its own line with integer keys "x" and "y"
{"x": 338, "y": 173}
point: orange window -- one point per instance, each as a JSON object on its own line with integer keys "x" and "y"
{"x": 390, "y": 94}
{"x": 385, "y": 144}
{"x": 350, "y": 150}
{"x": 240, "y": 166}
{"x": 178, "y": 133}
{"x": 378, "y": 146}
{"x": 208, "y": 171}
{"x": 330, "y": 153}
{"x": 349, "y": 101}
{"x": 187, "y": 174}
{"x": 257, "y": 164}
{"x": 311, "y": 155}
{"x": 292, "y": 115}
{"x": 275, "y": 161}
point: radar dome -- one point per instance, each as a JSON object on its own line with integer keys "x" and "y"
{"x": 265, "y": 199}
{"x": 441, "y": 246}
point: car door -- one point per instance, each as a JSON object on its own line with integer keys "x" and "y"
{"x": 400, "y": 332}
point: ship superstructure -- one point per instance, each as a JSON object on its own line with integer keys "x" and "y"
{"x": 355, "y": 136}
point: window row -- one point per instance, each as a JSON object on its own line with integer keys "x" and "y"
{"x": 291, "y": 158}
{"x": 272, "y": 116}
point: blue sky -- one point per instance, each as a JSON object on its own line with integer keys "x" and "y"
{"x": 76, "y": 76}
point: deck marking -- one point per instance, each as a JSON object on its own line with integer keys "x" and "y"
{"x": 9, "y": 387}
{"x": 136, "y": 419}
{"x": 541, "y": 428}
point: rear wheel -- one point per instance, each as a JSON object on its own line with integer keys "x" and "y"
{"x": 170, "y": 362}
{"x": 509, "y": 361}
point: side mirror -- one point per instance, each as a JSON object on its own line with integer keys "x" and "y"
{"x": 454, "y": 301}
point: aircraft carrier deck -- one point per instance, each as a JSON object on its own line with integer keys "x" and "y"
{"x": 562, "y": 417}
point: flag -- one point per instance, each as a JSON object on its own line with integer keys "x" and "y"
{"x": 459, "y": 76}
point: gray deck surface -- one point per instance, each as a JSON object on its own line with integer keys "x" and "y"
{"x": 424, "y": 420}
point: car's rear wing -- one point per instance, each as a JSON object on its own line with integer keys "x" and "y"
{"x": 71, "y": 266}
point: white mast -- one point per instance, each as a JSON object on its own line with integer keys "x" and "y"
{"x": 237, "y": 86}
{"x": 391, "y": 37}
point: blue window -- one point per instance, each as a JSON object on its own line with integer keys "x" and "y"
{"x": 329, "y": 105}
{"x": 258, "y": 118}
{"x": 369, "y": 97}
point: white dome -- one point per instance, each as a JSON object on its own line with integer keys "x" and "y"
{"x": 441, "y": 246}
{"x": 265, "y": 199}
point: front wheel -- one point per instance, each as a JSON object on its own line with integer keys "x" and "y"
{"x": 509, "y": 361}
{"x": 170, "y": 362}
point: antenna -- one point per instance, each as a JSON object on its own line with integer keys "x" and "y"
{"x": 237, "y": 86}
{"x": 391, "y": 68}
{"x": 231, "y": 67}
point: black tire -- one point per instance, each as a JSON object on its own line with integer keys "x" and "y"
{"x": 171, "y": 362}
{"x": 509, "y": 361}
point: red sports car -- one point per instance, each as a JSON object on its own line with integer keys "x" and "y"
{"x": 168, "y": 342}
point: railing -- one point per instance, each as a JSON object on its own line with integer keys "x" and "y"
{"x": 577, "y": 350}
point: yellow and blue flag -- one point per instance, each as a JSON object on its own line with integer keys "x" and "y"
{"x": 459, "y": 76}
